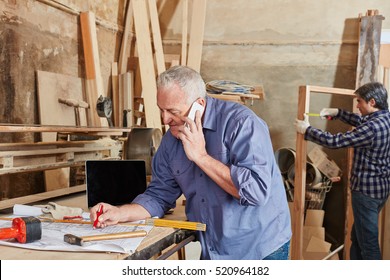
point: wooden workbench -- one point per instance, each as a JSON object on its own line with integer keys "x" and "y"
{"x": 157, "y": 241}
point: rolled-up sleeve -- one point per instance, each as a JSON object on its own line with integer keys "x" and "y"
{"x": 251, "y": 160}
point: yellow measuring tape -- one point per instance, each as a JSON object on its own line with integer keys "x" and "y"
{"x": 175, "y": 224}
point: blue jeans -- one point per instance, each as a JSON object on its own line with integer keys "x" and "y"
{"x": 364, "y": 234}
{"x": 281, "y": 253}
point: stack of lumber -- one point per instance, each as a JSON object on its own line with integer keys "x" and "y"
{"x": 134, "y": 75}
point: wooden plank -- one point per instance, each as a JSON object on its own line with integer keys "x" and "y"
{"x": 51, "y": 87}
{"x": 384, "y": 55}
{"x": 198, "y": 18}
{"x": 184, "y": 32}
{"x": 10, "y": 128}
{"x": 338, "y": 91}
{"x": 116, "y": 113}
{"x": 156, "y": 33}
{"x": 385, "y": 231}
{"x": 43, "y": 156}
{"x": 171, "y": 60}
{"x": 300, "y": 180}
{"x": 226, "y": 97}
{"x": 9, "y": 203}
{"x": 126, "y": 85}
{"x": 94, "y": 82}
{"x": 148, "y": 75}
{"x": 125, "y": 44}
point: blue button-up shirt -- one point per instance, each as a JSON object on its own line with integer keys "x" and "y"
{"x": 370, "y": 139}
{"x": 251, "y": 227}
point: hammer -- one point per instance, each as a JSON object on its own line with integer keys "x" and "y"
{"x": 76, "y": 104}
{"x": 76, "y": 240}
{"x": 24, "y": 230}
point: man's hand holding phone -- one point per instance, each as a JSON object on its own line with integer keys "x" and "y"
{"x": 192, "y": 134}
{"x": 195, "y": 107}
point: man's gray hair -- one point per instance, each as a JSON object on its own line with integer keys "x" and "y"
{"x": 186, "y": 78}
{"x": 374, "y": 91}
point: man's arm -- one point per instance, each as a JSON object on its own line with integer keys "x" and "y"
{"x": 218, "y": 172}
{"x": 195, "y": 149}
{"x": 113, "y": 214}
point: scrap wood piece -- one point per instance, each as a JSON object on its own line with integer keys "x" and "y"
{"x": 370, "y": 27}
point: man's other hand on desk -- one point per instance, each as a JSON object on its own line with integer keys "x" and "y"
{"x": 114, "y": 214}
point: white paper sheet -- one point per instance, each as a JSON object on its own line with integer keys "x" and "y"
{"x": 53, "y": 238}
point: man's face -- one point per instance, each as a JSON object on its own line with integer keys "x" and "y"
{"x": 364, "y": 107}
{"x": 172, "y": 104}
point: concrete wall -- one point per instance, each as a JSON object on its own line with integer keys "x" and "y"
{"x": 279, "y": 44}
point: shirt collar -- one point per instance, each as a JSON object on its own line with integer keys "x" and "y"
{"x": 209, "y": 120}
{"x": 376, "y": 114}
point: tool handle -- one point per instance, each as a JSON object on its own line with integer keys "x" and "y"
{"x": 7, "y": 233}
{"x": 130, "y": 234}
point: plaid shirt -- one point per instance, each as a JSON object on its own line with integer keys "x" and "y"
{"x": 371, "y": 142}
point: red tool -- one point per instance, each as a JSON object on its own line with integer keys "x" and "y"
{"x": 98, "y": 213}
{"x": 24, "y": 230}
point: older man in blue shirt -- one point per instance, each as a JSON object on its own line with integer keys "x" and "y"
{"x": 224, "y": 165}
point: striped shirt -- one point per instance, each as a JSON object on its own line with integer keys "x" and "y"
{"x": 370, "y": 139}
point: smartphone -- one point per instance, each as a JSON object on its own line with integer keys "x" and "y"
{"x": 195, "y": 107}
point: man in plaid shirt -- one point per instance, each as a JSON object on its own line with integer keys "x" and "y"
{"x": 370, "y": 174}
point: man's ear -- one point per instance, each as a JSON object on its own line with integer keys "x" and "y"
{"x": 372, "y": 102}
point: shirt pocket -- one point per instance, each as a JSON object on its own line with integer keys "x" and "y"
{"x": 182, "y": 171}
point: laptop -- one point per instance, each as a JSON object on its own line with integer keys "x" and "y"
{"x": 116, "y": 182}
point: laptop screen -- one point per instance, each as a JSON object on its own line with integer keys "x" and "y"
{"x": 115, "y": 182}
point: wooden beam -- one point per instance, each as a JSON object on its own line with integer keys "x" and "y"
{"x": 126, "y": 86}
{"x": 196, "y": 34}
{"x": 116, "y": 113}
{"x": 156, "y": 32}
{"x": 93, "y": 82}
{"x": 146, "y": 63}
{"x": 300, "y": 180}
{"x": 125, "y": 44}
{"x": 184, "y": 32}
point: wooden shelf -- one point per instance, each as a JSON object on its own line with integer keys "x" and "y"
{"x": 43, "y": 156}
{"x": 100, "y": 131}
{"x": 9, "y": 203}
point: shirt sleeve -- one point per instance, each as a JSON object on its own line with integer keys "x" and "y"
{"x": 251, "y": 157}
{"x": 163, "y": 191}
{"x": 349, "y": 117}
{"x": 361, "y": 136}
